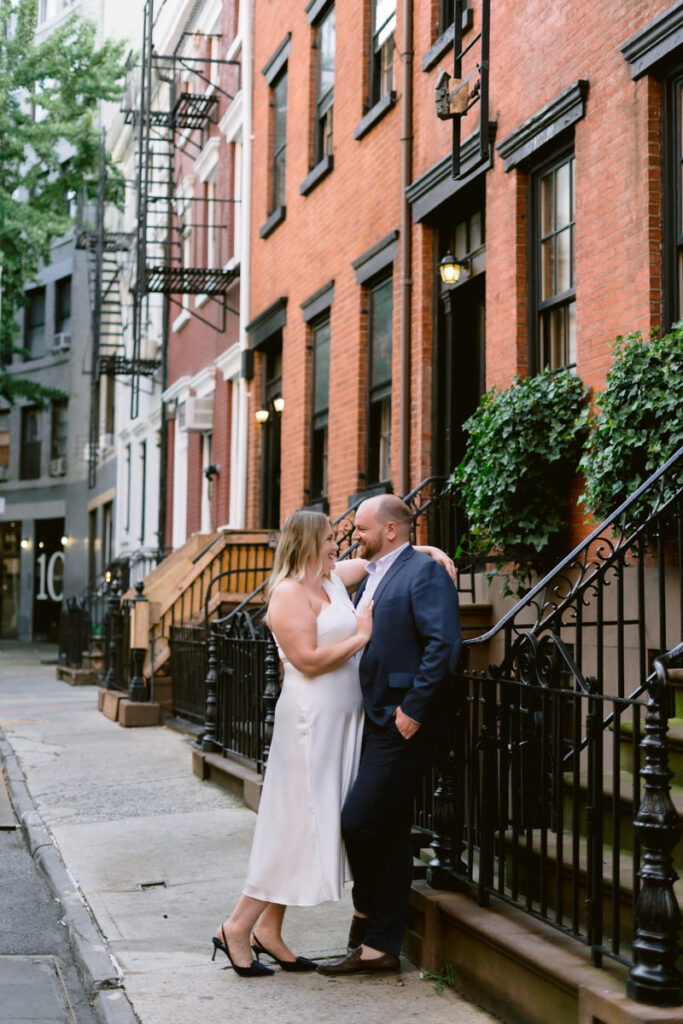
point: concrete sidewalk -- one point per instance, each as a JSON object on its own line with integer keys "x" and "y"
{"x": 147, "y": 860}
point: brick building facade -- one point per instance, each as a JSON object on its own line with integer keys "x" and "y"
{"x": 564, "y": 225}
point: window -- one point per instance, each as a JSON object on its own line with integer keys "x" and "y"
{"x": 383, "y": 31}
{"x": 129, "y": 468}
{"x": 553, "y": 198}
{"x": 58, "y": 431}
{"x": 320, "y": 409}
{"x": 278, "y": 102}
{"x": 34, "y": 333}
{"x": 63, "y": 306}
{"x": 446, "y": 14}
{"x": 212, "y": 248}
{"x": 4, "y": 445}
{"x": 380, "y": 314}
{"x": 324, "y": 97}
{"x": 143, "y": 489}
{"x": 673, "y": 200}
{"x": 30, "y": 443}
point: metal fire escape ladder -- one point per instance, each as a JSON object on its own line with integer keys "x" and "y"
{"x": 104, "y": 251}
{"x": 171, "y": 102}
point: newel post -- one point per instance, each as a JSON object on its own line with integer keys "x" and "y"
{"x": 653, "y": 978}
{"x": 209, "y": 734}
{"x": 271, "y": 692}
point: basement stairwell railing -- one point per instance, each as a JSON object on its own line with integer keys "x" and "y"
{"x": 556, "y": 796}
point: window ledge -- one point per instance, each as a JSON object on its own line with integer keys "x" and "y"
{"x": 201, "y": 300}
{"x": 320, "y": 171}
{"x": 180, "y": 321}
{"x": 276, "y": 217}
{"x": 375, "y": 114}
{"x": 442, "y": 45}
{"x": 445, "y": 41}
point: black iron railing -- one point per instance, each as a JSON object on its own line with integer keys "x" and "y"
{"x": 560, "y": 743}
{"x": 75, "y": 631}
{"x": 189, "y": 665}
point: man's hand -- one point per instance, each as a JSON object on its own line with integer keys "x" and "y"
{"x": 406, "y": 726}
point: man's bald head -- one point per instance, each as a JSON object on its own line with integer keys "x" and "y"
{"x": 382, "y": 524}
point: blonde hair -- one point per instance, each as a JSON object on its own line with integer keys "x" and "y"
{"x": 301, "y": 540}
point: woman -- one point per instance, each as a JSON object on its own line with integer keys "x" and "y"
{"x": 297, "y": 855}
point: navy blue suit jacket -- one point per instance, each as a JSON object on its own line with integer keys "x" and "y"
{"x": 415, "y": 643}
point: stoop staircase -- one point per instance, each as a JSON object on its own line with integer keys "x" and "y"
{"x": 557, "y": 816}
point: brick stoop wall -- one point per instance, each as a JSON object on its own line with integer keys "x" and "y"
{"x": 516, "y": 967}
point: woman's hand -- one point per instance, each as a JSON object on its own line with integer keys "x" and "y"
{"x": 364, "y": 620}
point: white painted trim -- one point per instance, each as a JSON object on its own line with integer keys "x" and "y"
{"x": 180, "y": 321}
{"x": 204, "y": 382}
{"x": 235, "y": 46}
{"x": 229, "y": 363}
{"x": 233, "y": 119}
{"x": 180, "y": 388}
{"x": 206, "y": 21}
{"x": 207, "y": 161}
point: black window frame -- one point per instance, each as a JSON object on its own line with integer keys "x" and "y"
{"x": 63, "y": 305}
{"x": 377, "y": 93}
{"x": 30, "y": 452}
{"x": 278, "y": 166}
{"x": 320, "y": 415}
{"x": 59, "y": 421}
{"x": 542, "y": 309}
{"x": 323, "y": 142}
{"x": 32, "y": 325}
{"x": 378, "y": 391}
{"x": 672, "y": 197}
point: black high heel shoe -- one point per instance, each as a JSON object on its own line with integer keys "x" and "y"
{"x": 300, "y": 964}
{"x": 255, "y": 969}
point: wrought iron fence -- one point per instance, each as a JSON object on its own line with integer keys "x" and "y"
{"x": 560, "y": 744}
{"x": 75, "y": 630}
{"x": 189, "y": 665}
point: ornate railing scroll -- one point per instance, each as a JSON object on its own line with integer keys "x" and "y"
{"x": 561, "y": 804}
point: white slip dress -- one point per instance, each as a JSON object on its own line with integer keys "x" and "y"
{"x": 297, "y": 855}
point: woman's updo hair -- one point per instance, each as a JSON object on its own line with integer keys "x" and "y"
{"x": 301, "y": 539}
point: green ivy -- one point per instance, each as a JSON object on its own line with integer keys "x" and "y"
{"x": 522, "y": 453}
{"x": 639, "y": 423}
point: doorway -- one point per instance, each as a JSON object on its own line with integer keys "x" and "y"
{"x": 271, "y": 406}
{"x": 459, "y": 369}
{"x": 10, "y": 538}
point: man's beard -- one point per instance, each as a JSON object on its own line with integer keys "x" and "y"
{"x": 367, "y": 550}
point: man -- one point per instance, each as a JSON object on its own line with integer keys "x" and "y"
{"x": 405, "y": 675}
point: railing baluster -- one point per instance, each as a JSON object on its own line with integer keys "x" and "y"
{"x": 654, "y": 978}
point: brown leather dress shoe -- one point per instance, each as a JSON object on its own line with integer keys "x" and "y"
{"x": 357, "y": 931}
{"x": 352, "y": 964}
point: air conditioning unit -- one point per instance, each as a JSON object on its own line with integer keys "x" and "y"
{"x": 106, "y": 442}
{"x": 58, "y": 466}
{"x": 196, "y": 414}
{"x": 4, "y": 473}
{"x": 61, "y": 341}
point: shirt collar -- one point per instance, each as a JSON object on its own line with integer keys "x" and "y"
{"x": 386, "y": 561}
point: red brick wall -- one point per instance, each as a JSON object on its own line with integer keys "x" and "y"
{"x": 537, "y": 51}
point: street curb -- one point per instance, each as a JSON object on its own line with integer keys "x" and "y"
{"x": 97, "y": 966}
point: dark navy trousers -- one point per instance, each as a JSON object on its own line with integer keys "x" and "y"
{"x": 376, "y": 822}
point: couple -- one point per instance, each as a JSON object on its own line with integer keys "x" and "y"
{"x": 391, "y": 658}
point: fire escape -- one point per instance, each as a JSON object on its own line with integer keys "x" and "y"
{"x": 181, "y": 240}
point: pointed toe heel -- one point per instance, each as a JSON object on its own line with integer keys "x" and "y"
{"x": 254, "y": 970}
{"x": 300, "y": 964}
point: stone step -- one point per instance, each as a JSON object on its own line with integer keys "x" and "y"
{"x": 674, "y": 740}
{"x": 76, "y": 676}
{"x": 520, "y": 969}
{"x": 626, "y": 811}
{"x": 529, "y": 877}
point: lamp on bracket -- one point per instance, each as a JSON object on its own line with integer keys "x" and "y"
{"x": 450, "y": 269}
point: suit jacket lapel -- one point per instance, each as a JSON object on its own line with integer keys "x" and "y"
{"x": 397, "y": 565}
